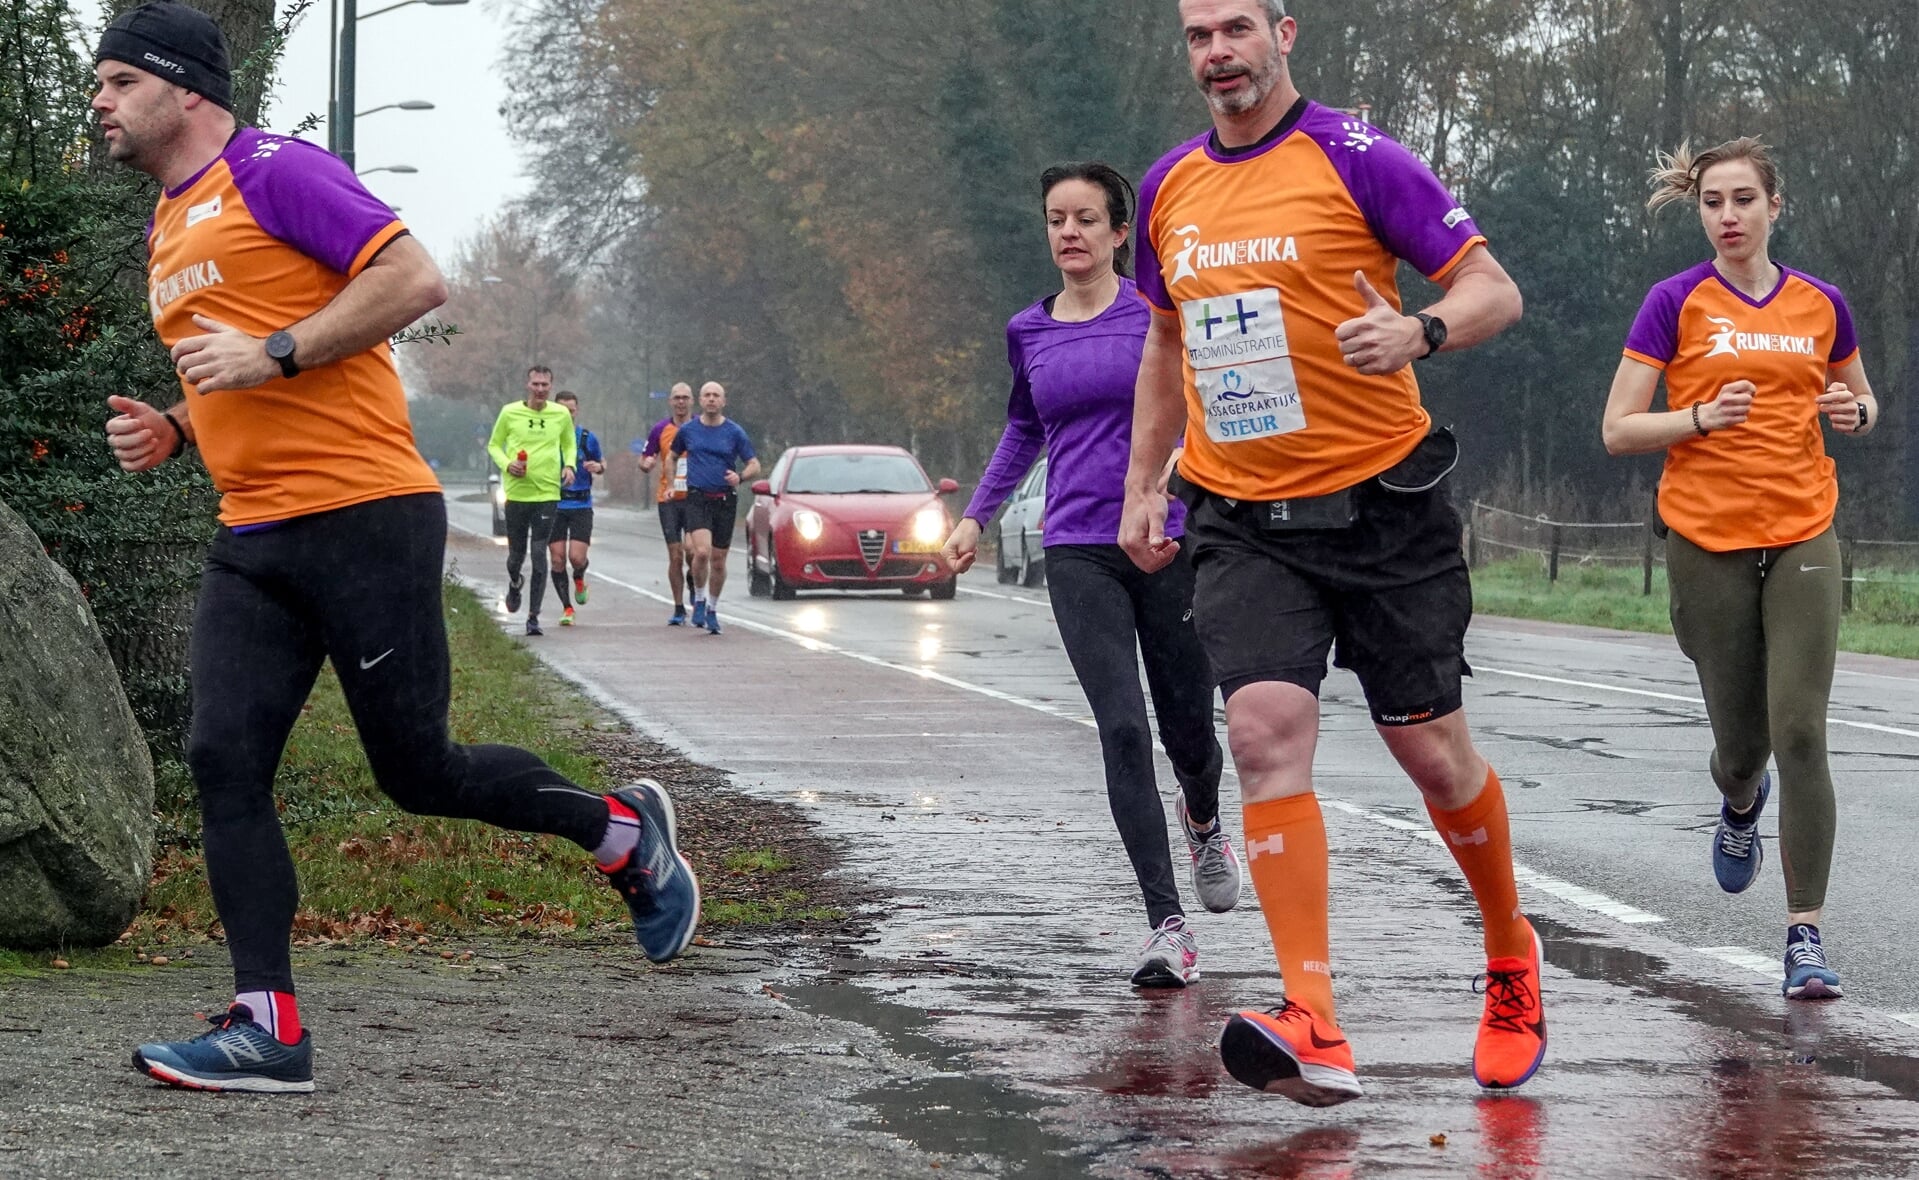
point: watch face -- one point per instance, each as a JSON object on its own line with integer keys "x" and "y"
{"x": 280, "y": 345}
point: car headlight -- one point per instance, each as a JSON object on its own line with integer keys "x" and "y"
{"x": 929, "y": 525}
{"x": 809, "y": 524}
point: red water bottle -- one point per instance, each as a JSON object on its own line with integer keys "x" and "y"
{"x": 522, "y": 456}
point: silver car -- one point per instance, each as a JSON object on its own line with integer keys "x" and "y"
{"x": 1022, "y": 525}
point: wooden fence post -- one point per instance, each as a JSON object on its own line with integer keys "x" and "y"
{"x": 1552, "y": 561}
{"x": 1646, "y": 562}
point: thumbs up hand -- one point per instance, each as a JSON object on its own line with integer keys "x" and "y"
{"x": 1380, "y": 340}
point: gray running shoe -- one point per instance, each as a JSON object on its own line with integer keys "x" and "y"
{"x": 1170, "y": 957}
{"x": 1215, "y": 864}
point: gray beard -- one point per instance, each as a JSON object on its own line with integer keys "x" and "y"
{"x": 1240, "y": 101}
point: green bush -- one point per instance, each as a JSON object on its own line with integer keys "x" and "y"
{"x": 74, "y": 328}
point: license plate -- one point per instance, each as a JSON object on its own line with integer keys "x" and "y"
{"x": 916, "y": 546}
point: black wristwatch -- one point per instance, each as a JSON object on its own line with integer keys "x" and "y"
{"x": 1435, "y": 332}
{"x": 280, "y": 348}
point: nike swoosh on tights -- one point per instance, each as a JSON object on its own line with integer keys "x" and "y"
{"x": 1806, "y": 569}
{"x": 366, "y": 663}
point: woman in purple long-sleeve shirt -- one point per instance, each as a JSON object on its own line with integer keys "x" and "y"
{"x": 1074, "y": 357}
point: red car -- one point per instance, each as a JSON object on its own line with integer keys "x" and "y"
{"x": 848, "y": 517}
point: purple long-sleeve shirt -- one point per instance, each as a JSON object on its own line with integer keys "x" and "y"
{"x": 1073, "y": 395}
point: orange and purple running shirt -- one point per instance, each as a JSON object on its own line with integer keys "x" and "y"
{"x": 262, "y": 238}
{"x": 1255, "y": 253}
{"x": 1768, "y": 482}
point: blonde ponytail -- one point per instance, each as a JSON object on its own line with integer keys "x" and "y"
{"x": 1677, "y": 176}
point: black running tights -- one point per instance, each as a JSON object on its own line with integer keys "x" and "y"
{"x": 359, "y": 586}
{"x": 1110, "y": 614}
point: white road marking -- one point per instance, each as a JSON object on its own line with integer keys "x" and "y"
{"x": 1739, "y": 956}
{"x": 1911, "y": 1018}
{"x": 1671, "y": 696}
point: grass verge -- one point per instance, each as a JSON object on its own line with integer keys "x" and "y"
{"x": 371, "y": 872}
{"x": 1881, "y": 621}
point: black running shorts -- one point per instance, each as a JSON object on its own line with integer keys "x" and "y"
{"x": 573, "y": 524}
{"x": 673, "y": 520}
{"x": 1388, "y": 595}
{"x": 714, "y": 512}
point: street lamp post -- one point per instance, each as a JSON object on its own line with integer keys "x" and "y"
{"x": 412, "y": 104}
{"x": 345, "y": 70}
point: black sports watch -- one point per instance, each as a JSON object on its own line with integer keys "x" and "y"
{"x": 1435, "y": 331}
{"x": 280, "y": 348}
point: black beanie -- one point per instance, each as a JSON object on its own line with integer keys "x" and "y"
{"x": 181, "y": 44}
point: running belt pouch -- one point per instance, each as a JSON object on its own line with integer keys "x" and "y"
{"x": 1431, "y": 461}
{"x": 1337, "y": 510}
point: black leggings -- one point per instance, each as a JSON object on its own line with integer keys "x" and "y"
{"x": 1111, "y": 613}
{"x": 359, "y": 586}
{"x": 529, "y": 524}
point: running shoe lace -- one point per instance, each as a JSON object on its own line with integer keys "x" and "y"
{"x": 1805, "y": 953}
{"x": 1509, "y": 997}
{"x": 1737, "y": 841}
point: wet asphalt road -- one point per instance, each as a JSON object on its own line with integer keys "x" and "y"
{"x": 949, "y": 744}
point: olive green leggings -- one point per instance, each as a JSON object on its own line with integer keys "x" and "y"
{"x": 1762, "y": 625}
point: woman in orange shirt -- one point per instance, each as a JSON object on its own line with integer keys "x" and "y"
{"x": 1753, "y": 354}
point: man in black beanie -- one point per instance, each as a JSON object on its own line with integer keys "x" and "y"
{"x": 276, "y": 280}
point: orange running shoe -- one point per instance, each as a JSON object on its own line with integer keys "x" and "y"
{"x": 1288, "y": 1050}
{"x": 1512, "y": 1031}
{"x": 566, "y": 617}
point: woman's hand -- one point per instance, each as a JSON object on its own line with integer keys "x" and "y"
{"x": 1730, "y": 408}
{"x": 962, "y": 548}
{"x": 1840, "y": 405}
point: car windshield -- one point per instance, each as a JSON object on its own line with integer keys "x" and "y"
{"x": 829, "y": 475}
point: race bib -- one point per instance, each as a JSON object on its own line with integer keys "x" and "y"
{"x": 1242, "y": 365}
{"x": 679, "y": 476}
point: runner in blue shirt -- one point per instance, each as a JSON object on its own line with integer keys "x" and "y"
{"x": 573, "y": 524}
{"x": 715, "y": 447}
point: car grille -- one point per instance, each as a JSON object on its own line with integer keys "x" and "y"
{"x": 847, "y": 567}
{"x": 872, "y": 545}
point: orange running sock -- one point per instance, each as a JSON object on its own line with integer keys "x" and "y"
{"x": 1482, "y": 843}
{"x": 1286, "y": 855}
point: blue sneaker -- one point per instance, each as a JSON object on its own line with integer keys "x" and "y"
{"x": 699, "y": 612}
{"x": 659, "y": 886}
{"x": 1808, "y": 975}
{"x": 678, "y": 619}
{"x": 1737, "y": 851}
{"x": 236, "y": 1054}
{"x": 712, "y": 620}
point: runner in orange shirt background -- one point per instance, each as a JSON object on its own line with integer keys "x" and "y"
{"x": 1753, "y": 354}
{"x": 658, "y": 452}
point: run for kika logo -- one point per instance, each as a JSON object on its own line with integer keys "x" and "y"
{"x": 1359, "y": 136}
{"x": 185, "y": 281}
{"x": 1728, "y": 340}
{"x": 1195, "y": 255}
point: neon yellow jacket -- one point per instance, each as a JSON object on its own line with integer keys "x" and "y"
{"x": 547, "y": 437}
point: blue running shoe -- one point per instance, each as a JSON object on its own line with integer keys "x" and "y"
{"x": 699, "y": 612}
{"x": 678, "y": 619}
{"x": 1808, "y": 975}
{"x": 657, "y": 883}
{"x": 236, "y": 1054}
{"x": 712, "y": 620}
{"x": 1737, "y": 851}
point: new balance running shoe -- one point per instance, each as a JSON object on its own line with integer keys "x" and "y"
{"x": 658, "y": 884}
{"x": 699, "y": 612}
{"x": 1512, "y": 1029}
{"x": 1288, "y": 1050}
{"x": 1170, "y": 957}
{"x": 1215, "y": 864}
{"x": 1808, "y": 975}
{"x": 1737, "y": 851}
{"x": 513, "y": 595}
{"x": 712, "y": 620}
{"x": 579, "y": 591}
{"x": 677, "y": 618}
{"x": 533, "y": 625}
{"x": 566, "y": 617}
{"x": 235, "y": 1054}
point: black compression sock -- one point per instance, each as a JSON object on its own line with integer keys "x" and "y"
{"x": 562, "y": 589}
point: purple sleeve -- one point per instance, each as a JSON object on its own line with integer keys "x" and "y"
{"x": 308, "y": 198}
{"x": 1151, "y": 283}
{"x": 1655, "y": 330}
{"x": 652, "y": 446}
{"x": 1845, "y": 339}
{"x": 1410, "y": 211}
{"x": 1019, "y": 443}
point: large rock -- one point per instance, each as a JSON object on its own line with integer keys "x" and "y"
{"x": 76, "y": 784}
